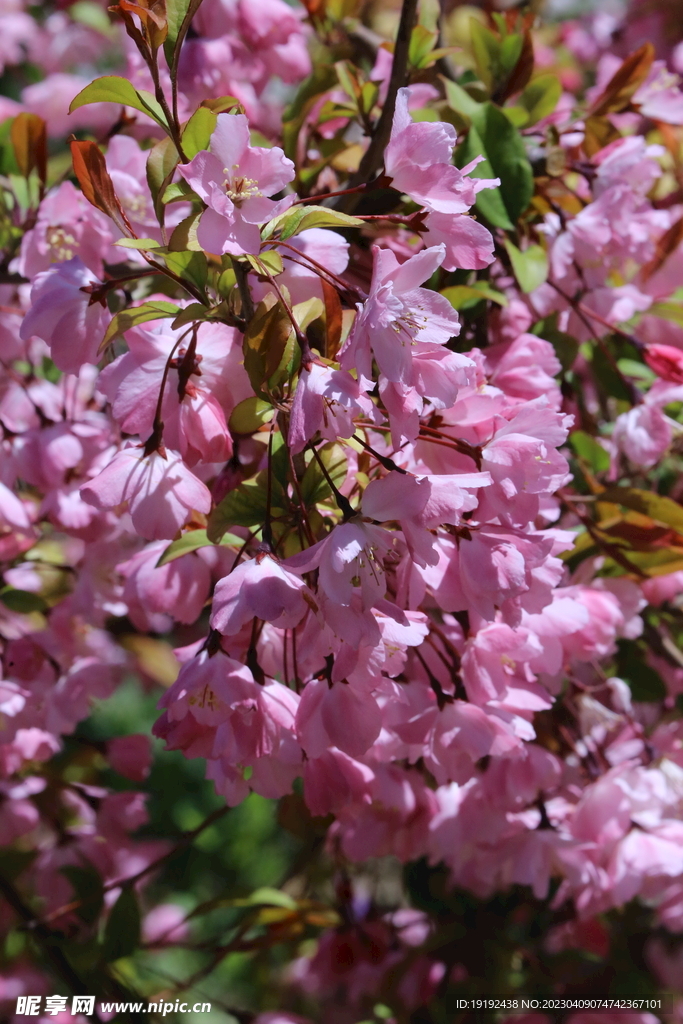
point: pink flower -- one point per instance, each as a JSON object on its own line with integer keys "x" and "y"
{"x": 204, "y": 381}
{"x": 160, "y": 490}
{"x": 666, "y": 361}
{"x": 67, "y": 226}
{"x": 418, "y": 160}
{"x": 421, "y": 503}
{"x": 494, "y": 661}
{"x": 178, "y": 588}
{"x": 62, "y": 315}
{"x": 260, "y": 588}
{"x": 350, "y": 562}
{"x": 234, "y": 179}
{"x": 326, "y": 400}
{"x": 16, "y": 531}
{"x": 165, "y": 924}
{"x": 126, "y": 164}
{"x": 660, "y": 96}
{"x": 468, "y": 244}
{"x": 333, "y": 781}
{"x": 338, "y": 716}
{"x": 130, "y": 756}
{"x": 643, "y": 433}
{"x": 397, "y": 314}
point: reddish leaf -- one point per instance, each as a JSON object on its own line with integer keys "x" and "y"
{"x": 91, "y": 170}
{"x": 333, "y": 318}
{"x": 152, "y": 15}
{"x": 29, "y": 141}
{"x": 666, "y": 245}
{"x": 625, "y": 82}
{"x": 598, "y": 133}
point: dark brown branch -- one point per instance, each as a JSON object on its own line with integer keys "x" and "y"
{"x": 372, "y": 160}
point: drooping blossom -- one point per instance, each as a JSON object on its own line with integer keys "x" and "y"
{"x": 63, "y": 314}
{"x": 159, "y": 489}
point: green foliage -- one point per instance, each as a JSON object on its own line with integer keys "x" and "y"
{"x": 644, "y": 682}
{"x": 113, "y": 89}
{"x": 314, "y": 484}
{"x": 590, "y": 451}
{"x": 530, "y": 265}
{"x": 498, "y": 141}
{"x": 122, "y": 930}
{"x": 179, "y": 14}
{"x": 23, "y": 601}
{"x": 155, "y": 309}
{"x": 193, "y": 540}
{"x": 88, "y": 888}
{"x": 198, "y": 131}
{"x": 302, "y": 217}
{"x": 190, "y": 266}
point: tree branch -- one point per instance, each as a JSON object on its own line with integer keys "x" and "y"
{"x": 372, "y": 160}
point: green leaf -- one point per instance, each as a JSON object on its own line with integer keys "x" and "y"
{"x": 156, "y": 309}
{"x": 300, "y": 218}
{"x": 516, "y": 116}
{"x": 530, "y": 266}
{"x": 87, "y": 886}
{"x": 664, "y": 510}
{"x": 460, "y": 101}
{"x": 223, "y": 105}
{"x": 250, "y": 414}
{"x": 179, "y": 192}
{"x": 489, "y": 201}
{"x": 192, "y": 541}
{"x": 198, "y": 131}
{"x": 504, "y": 148}
{"x": 267, "y": 896}
{"x": 143, "y": 244}
{"x": 179, "y": 14}
{"x": 112, "y": 89}
{"x": 510, "y": 52}
{"x": 245, "y": 506}
{"x": 590, "y": 450}
{"x": 184, "y": 236}
{"x": 322, "y": 217}
{"x": 22, "y": 601}
{"x": 92, "y": 16}
{"x": 161, "y": 164}
{"x": 191, "y": 266}
{"x": 195, "y": 311}
{"x": 667, "y": 311}
{"x": 540, "y": 97}
{"x": 422, "y": 42}
{"x": 314, "y": 485}
{"x": 644, "y": 682}
{"x": 464, "y": 296}
{"x": 122, "y": 931}
{"x": 348, "y": 80}
{"x": 13, "y": 862}
{"x": 486, "y": 49}
{"x": 269, "y": 260}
